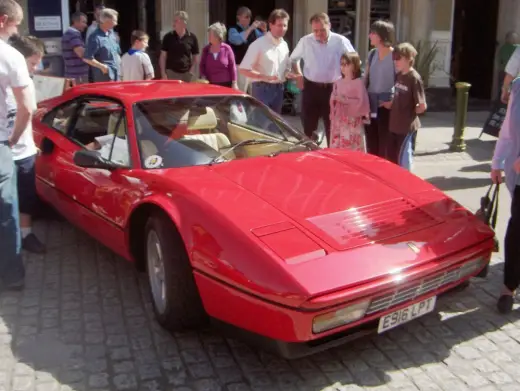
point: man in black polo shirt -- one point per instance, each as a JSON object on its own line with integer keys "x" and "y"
{"x": 243, "y": 34}
{"x": 180, "y": 51}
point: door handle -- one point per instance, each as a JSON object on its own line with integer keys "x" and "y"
{"x": 47, "y": 146}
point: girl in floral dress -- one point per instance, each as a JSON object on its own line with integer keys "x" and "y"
{"x": 349, "y": 106}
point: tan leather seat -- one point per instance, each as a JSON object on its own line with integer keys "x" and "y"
{"x": 218, "y": 141}
{"x": 148, "y": 148}
{"x": 112, "y": 122}
{"x": 207, "y": 121}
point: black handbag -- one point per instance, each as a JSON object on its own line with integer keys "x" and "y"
{"x": 488, "y": 213}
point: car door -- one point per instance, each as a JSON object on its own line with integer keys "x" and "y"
{"x": 50, "y": 136}
{"x": 96, "y": 200}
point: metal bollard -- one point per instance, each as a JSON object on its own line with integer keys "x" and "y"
{"x": 461, "y": 113}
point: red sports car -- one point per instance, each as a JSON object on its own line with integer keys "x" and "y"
{"x": 239, "y": 218}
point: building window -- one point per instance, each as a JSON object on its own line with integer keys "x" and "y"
{"x": 380, "y": 9}
{"x": 342, "y": 15}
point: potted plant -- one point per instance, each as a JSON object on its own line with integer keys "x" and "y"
{"x": 425, "y": 61}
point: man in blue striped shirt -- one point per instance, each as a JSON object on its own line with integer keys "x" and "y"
{"x": 73, "y": 48}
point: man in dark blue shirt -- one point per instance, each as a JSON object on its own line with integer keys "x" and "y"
{"x": 103, "y": 53}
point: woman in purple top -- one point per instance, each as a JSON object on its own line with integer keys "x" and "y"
{"x": 217, "y": 62}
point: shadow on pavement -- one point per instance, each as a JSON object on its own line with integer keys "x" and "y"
{"x": 458, "y": 183}
{"x": 483, "y": 167}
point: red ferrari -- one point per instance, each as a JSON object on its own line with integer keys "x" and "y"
{"x": 239, "y": 218}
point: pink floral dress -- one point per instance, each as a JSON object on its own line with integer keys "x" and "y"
{"x": 348, "y": 104}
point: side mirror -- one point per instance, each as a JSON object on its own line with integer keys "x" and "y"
{"x": 92, "y": 159}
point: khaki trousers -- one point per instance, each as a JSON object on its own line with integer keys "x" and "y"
{"x": 185, "y": 76}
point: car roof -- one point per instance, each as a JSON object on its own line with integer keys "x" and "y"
{"x": 136, "y": 91}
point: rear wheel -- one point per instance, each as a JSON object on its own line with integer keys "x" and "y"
{"x": 175, "y": 297}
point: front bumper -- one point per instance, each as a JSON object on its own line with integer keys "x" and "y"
{"x": 288, "y": 331}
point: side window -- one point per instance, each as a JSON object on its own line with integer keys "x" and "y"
{"x": 101, "y": 127}
{"x": 60, "y": 118}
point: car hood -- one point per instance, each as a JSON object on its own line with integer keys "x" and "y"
{"x": 338, "y": 203}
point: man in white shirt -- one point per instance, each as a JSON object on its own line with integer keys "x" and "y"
{"x": 267, "y": 63}
{"x": 321, "y": 53}
{"x": 14, "y": 75}
{"x": 118, "y": 153}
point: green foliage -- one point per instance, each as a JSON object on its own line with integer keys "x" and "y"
{"x": 425, "y": 61}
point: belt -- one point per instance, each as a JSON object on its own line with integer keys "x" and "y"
{"x": 270, "y": 84}
{"x": 319, "y": 84}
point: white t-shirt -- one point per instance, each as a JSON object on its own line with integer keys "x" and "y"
{"x": 13, "y": 74}
{"x": 268, "y": 56}
{"x": 513, "y": 65}
{"x": 120, "y": 152}
{"x": 25, "y": 146}
{"x": 136, "y": 66}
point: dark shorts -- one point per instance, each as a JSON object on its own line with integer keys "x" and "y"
{"x": 26, "y": 184}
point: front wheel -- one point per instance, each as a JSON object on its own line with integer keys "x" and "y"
{"x": 175, "y": 297}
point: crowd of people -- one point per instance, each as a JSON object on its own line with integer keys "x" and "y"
{"x": 374, "y": 111}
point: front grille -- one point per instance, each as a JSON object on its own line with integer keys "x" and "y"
{"x": 422, "y": 287}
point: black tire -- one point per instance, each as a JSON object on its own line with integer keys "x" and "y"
{"x": 459, "y": 288}
{"x": 183, "y": 308}
{"x": 484, "y": 272}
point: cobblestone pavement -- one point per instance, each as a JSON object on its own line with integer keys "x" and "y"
{"x": 84, "y": 322}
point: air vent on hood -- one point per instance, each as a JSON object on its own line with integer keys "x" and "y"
{"x": 373, "y": 223}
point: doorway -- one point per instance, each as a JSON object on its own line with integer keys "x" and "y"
{"x": 474, "y": 45}
{"x": 225, "y": 11}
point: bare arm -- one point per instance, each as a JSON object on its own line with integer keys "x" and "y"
{"x": 508, "y": 79}
{"x": 162, "y": 64}
{"x": 23, "y": 99}
{"x": 256, "y": 75}
{"x": 420, "y": 108}
{"x": 194, "y": 62}
{"x": 80, "y": 51}
{"x": 96, "y": 64}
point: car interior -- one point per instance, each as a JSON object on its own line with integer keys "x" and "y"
{"x": 217, "y": 128}
{"x": 200, "y": 125}
{"x": 95, "y": 121}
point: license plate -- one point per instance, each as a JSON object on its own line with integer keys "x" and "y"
{"x": 407, "y": 314}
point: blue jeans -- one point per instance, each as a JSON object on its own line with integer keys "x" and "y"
{"x": 400, "y": 149}
{"x": 11, "y": 266}
{"x": 270, "y": 94}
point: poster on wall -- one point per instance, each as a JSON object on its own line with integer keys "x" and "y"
{"x": 49, "y": 86}
{"x": 47, "y": 23}
{"x": 45, "y": 18}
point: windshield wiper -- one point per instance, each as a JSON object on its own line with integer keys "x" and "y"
{"x": 253, "y": 141}
{"x": 310, "y": 144}
{"x": 306, "y": 143}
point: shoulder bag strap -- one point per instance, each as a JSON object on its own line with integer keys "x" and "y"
{"x": 494, "y": 208}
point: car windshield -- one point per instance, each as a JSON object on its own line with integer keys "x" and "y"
{"x": 193, "y": 131}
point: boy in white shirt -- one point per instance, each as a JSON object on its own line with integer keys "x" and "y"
{"x": 136, "y": 64}
{"x": 25, "y": 151}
